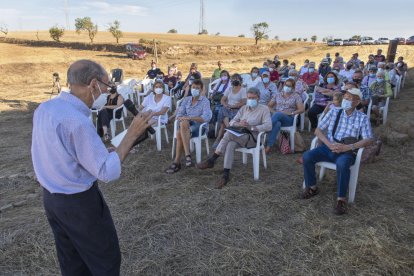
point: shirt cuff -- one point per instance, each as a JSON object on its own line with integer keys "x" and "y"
{"x": 112, "y": 168}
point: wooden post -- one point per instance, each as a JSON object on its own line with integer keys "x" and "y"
{"x": 155, "y": 51}
{"x": 392, "y": 50}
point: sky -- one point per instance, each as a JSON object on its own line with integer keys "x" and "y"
{"x": 287, "y": 18}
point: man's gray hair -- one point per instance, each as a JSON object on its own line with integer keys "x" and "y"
{"x": 254, "y": 90}
{"x": 293, "y": 71}
{"x": 84, "y": 71}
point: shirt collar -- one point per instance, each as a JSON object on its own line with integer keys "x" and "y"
{"x": 76, "y": 102}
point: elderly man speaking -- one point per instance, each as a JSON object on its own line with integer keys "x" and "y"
{"x": 68, "y": 158}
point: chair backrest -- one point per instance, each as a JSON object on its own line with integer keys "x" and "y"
{"x": 306, "y": 98}
{"x": 211, "y": 85}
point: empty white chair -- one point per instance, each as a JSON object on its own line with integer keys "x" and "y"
{"x": 114, "y": 120}
{"x": 195, "y": 142}
{"x": 402, "y": 80}
{"x": 255, "y": 152}
{"x": 353, "y": 180}
{"x": 396, "y": 89}
{"x": 291, "y": 130}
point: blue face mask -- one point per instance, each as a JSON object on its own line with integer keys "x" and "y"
{"x": 254, "y": 75}
{"x": 380, "y": 80}
{"x": 346, "y": 104}
{"x": 195, "y": 92}
{"x": 372, "y": 75}
{"x": 266, "y": 80}
{"x": 251, "y": 102}
{"x": 330, "y": 80}
{"x": 311, "y": 70}
{"x": 287, "y": 89}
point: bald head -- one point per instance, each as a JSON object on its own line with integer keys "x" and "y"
{"x": 83, "y": 71}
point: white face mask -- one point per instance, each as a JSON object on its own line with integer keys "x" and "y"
{"x": 195, "y": 92}
{"x": 346, "y": 104}
{"x": 287, "y": 89}
{"x": 158, "y": 91}
{"x": 251, "y": 103}
{"x": 100, "y": 101}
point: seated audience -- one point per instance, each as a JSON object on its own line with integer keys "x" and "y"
{"x": 286, "y": 105}
{"x": 154, "y": 71}
{"x": 267, "y": 88}
{"x": 283, "y": 71}
{"x": 218, "y": 92}
{"x": 274, "y": 75}
{"x": 339, "y": 62}
{"x": 301, "y": 87}
{"x": 253, "y": 79}
{"x": 352, "y": 123}
{"x": 106, "y": 114}
{"x": 253, "y": 116}
{"x": 311, "y": 78}
{"x": 323, "y": 95}
{"x": 324, "y": 67}
{"x": 380, "y": 91}
{"x": 193, "y": 111}
{"x": 355, "y": 61}
{"x": 304, "y": 68}
{"x": 233, "y": 99}
{"x": 170, "y": 80}
{"x": 370, "y": 63}
{"x": 347, "y": 72}
{"x": 158, "y": 103}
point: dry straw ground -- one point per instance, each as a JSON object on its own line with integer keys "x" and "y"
{"x": 180, "y": 224}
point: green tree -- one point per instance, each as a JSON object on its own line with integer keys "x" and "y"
{"x": 305, "y": 39}
{"x": 4, "y": 29}
{"x": 242, "y": 35}
{"x": 314, "y": 38}
{"x": 324, "y": 39}
{"x": 294, "y": 39}
{"x": 86, "y": 24}
{"x": 172, "y": 31}
{"x": 115, "y": 30}
{"x": 260, "y": 31}
{"x": 56, "y": 33}
{"x": 299, "y": 39}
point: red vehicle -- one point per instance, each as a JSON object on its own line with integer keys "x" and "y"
{"x": 135, "y": 51}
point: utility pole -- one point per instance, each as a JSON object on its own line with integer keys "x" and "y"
{"x": 67, "y": 15}
{"x": 202, "y": 15}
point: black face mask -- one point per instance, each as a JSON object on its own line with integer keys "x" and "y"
{"x": 356, "y": 80}
{"x": 235, "y": 83}
{"x": 387, "y": 68}
{"x": 112, "y": 89}
{"x": 348, "y": 67}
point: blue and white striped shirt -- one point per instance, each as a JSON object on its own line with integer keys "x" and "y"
{"x": 355, "y": 125}
{"x": 67, "y": 153}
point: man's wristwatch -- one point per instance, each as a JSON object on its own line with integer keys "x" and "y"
{"x": 352, "y": 147}
{"x": 252, "y": 128}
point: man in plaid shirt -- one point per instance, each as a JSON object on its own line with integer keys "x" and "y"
{"x": 351, "y": 123}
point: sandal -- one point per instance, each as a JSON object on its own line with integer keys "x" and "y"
{"x": 188, "y": 161}
{"x": 309, "y": 192}
{"x": 106, "y": 137}
{"x": 173, "y": 168}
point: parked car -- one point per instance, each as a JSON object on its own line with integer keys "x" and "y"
{"x": 410, "y": 40}
{"x": 338, "y": 42}
{"x": 383, "y": 40}
{"x": 135, "y": 51}
{"x": 330, "y": 42}
{"x": 346, "y": 42}
{"x": 401, "y": 40}
{"x": 353, "y": 42}
{"x": 367, "y": 40}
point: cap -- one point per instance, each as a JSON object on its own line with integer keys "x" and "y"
{"x": 355, "y": 91}
{"x": 265, "y": 72}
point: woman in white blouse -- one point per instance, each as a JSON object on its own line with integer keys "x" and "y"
{"x": 234, "y": 97}
{"x": 158, "y": 103}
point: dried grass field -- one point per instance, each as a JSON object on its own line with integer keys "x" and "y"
{"x": 179, "y": 224}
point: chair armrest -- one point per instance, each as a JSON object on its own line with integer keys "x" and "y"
{"x": 200, "y": 130}
{"x": 314, "y": 143}
{"x": 116, "y": 109}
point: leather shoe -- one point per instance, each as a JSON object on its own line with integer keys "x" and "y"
{"x": 221, "y": 182}
{"x": 205, "y": 165}
{"x": 340, "y": 207}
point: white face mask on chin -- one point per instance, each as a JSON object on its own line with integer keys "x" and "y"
{"x": 100, "y": 101}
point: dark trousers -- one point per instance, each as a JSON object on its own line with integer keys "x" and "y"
{"x": 85, "y": 235}
{"x": 313, "y": 113}
{"x": 322, "y": 153}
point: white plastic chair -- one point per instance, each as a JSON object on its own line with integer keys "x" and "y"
{"x": 158, "y": 129}
{"x": 383, "y": 110}
{"x": 291, "y": 130}
{"x": 302, "y": 115}
{"x": 211, "y": 85}
{"x": 194, "y": 142}
{"x": 255, "y": 152}
{"x": 396, "y": 89}
{"x": 353, "y": 180}
{"x": 114, "y": 120}
{"x": 402, "y": 81}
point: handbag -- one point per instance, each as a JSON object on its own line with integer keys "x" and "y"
{"x": 299, "y": 143}
{"x": 345, "y": 140}
{"x": 242, "y": 131}
{"x": 284, "y": 145}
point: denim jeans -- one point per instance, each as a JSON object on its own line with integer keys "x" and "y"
{"x": 322, "y": 153}
{"x": 279, "y": 119}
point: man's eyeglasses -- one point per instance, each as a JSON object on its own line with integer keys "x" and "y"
{"x": 109, "y": 85}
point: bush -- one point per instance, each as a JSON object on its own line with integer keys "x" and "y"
{"x": 241, "y": 35}
{"x": 172, "y": 31}
{"x": 56, "y": 33}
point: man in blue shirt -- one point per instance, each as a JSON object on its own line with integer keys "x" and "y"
{"x": 68, "y": 157}
{"x": 349, "y": 123}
